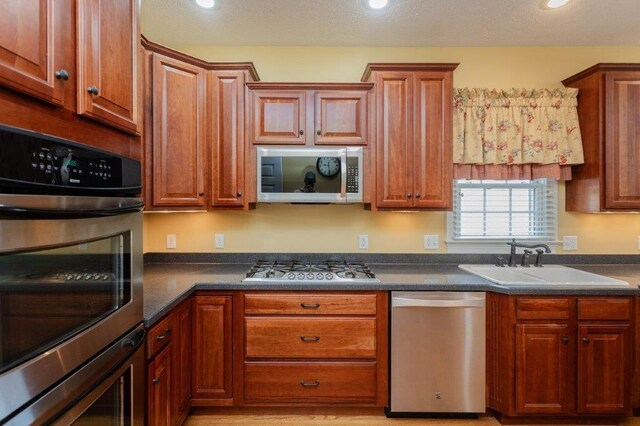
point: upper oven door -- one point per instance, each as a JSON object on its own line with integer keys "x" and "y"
{"x": 70, "y": 284}
{"x": 309, "y": 175}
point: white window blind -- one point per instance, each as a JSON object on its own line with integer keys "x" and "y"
{"x": 489, "y": 210}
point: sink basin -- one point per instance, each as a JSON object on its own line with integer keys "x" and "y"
{"x": 549, "y": 275}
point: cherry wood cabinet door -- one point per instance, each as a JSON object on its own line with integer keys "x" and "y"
{"x": 544, "y": 379}
{"x": 108, "y": 56}
{"x": 340, "y": 118}
{"x": 394, "y": 113}
{"x": 279, "y": 117}
{"x": 178, "y": 134}
{"x": 227, "y": 156}
{"x": 604, "y": 362}
{"x": 622, "y": 144}
{"x": 212, "y": 369}
{"x": 432, "y": 149}
{"x": 31, "y": 47}
{"x": 159, "y": 386}
{"x": 181, "y": 363}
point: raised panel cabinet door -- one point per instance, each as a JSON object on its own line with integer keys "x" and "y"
{"x": 544, "y": 378}
{"x": 279, "y": 118}
{"x": 341, "y": 118}
{"x": 227, "y": 156}
{"x": 178, "y": 133}
{"x": 212, "y": 369}
{"x": 181, "y": 363}
{"x": 31, "y": 44}
{"x": 622, "y": 143}
{"x": 394, "y": 115}
{"x": 108, "y": 56}
{"x": 604, "y": 366}
{"x": 432, "y": 149}
{"x": 159, "y": 386}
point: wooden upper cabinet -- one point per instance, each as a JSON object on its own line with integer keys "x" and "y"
{"x": 413, "y": 135}
{"x": 604, "y": 366}
{"x": 309, "y": 113}
{"x": 227, "y": 156}
{"x": 31, "y": 48}
{"x": 609, "y": 114}
{"x": 341, "y": 118}
{"x": 394, "y": 113}
{"x": 108, "y": 56}
{"x": 279, "y": 117}
{"x": 178, "y": 148}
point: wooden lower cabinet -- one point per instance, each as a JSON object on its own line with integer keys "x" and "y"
{"x": 158, "y": 389}
{"x": 560, "y": 356}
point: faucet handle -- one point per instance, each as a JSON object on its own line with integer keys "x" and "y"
{"x": 525, "y": 258}
{"x": 538, "y": 263}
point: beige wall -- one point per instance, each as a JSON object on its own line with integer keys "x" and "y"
{"x": 294, "y": 228}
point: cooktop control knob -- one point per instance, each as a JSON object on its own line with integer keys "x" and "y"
{"x": 300, "y": 275}
{"x": 309, "y": 276}
{"x": 329, "y": 276}
{"x": 319, "y": 276}
{"x": 291, "y": 276}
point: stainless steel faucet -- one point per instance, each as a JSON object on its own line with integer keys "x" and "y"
{"x": 512, "y": 257}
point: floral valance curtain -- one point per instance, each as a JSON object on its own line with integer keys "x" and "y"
{"x": 516, "y": 133}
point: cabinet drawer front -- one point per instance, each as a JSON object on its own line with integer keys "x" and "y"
{"x": 310, "y": 304}
{"x": 310, "y": 382}
{"x": 529, "y": 308}
{"x": 310, "y": 337}
{"x": 604, "y": 309}
{"x": 159, "y": 336}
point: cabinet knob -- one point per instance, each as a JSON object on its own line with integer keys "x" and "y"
{"x": 62, "y": 74}
{"x": 564, "y": 340}
{"x": 301, "y": 131}
{"x": 586, "y": 340}
{"x": 167, "y": 331}
{"x": 310, "y": 384}
{"x": 201, "y": 194}
{"x": 155, "y": 380}
{"x": 309, "y": 339}
{"x": 93, "y": 90}
{"x": 409, "y": 195}
{"x": 319, "y": 132}
{"x": 309, "y": 305}
{"x": 418, "y": 195}
{"x": 161, "y": 337}
{"x": 239, "y": 194}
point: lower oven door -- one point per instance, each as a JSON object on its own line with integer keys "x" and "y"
{"x": 107, "y": 391}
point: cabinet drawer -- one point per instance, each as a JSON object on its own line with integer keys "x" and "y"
{"x": 159, "y": 336}
{"x": 310, "y": 382}
{"x": 288, "y": 337}
{"x": 531, "y": 308}
{"x": 604, "y": 309}
{"x": 310, "y": 304}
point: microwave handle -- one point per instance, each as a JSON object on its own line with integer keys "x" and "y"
{"x": 343, "y": 174}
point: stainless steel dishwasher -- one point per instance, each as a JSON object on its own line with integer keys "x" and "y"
{"x": 437, "y": 353}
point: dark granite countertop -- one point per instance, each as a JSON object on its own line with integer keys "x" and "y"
{"x": 167, "y": 284}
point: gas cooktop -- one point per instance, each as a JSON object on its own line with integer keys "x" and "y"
{"x": 310, "y": 272}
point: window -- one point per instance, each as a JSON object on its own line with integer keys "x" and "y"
{"x": 488, "y": 213}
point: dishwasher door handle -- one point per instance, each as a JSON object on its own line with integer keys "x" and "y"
{"x": 402, "y": 302}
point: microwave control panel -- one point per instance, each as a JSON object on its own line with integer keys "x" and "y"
{"x": 352, "y": 175}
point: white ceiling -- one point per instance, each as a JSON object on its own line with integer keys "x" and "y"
{"x": 403, "y": 23}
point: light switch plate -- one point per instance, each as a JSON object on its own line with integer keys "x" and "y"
{"x": 219, "y": 241}
{"x": 171, "y": 241}
{"x": 431, "y": 242}
{"x": 363, "y": 242}
{"x": 570, "y": 243}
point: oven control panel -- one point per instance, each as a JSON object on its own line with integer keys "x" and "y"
{"x": 31, "y": 159}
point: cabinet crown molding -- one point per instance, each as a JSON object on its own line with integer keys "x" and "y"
{"x": 399, "y": 66}
{"x": 602, "y": 67}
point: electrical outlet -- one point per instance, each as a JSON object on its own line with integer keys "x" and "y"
{"x": 363, "y": 242}
{"x": 219, "y": 241}
{"x": 570, "y": 243}
{"x": 82, "y": 246}
{"x": 431, "y": 242}
{"x": 171, "y": 241}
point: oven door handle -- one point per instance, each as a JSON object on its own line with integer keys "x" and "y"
{"x": 110, "y": 207}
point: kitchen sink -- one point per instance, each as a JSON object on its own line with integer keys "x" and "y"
{"x": 549, "y": 275}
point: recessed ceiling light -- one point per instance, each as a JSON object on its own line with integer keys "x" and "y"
{"x": 554, "y": 4}
{"x": 207, "y": 4}
{"x": 378, "y": 4}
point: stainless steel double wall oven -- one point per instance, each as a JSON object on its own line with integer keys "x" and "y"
{"x": 71, "y": 335}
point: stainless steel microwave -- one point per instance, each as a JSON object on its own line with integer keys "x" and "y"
{"x": 309, "y": 175}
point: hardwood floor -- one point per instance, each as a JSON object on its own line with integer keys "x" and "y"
{"x": 319, "y": 416}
